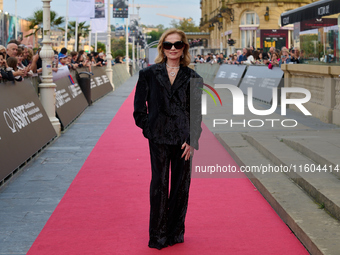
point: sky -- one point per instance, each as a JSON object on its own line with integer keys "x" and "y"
{"x": 179, "y": 8}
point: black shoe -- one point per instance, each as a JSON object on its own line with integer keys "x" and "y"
{"x": 157, "y": 245}
{"x": 174, "y": 240}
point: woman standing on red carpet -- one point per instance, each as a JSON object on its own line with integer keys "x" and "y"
{"x": 162, "y": 110}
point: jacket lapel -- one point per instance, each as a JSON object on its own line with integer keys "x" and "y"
{"x": 181, "y": 78}
{"x": 161, "y": 75}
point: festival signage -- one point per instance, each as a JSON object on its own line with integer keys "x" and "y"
{"x": 276, "y": 38}
{"x": 134, "y": 26}
{"x": 100, "y": 83}
{"x": 24, "y": 125}
{"x": 120, "y": 8}
{"x": 229, "y": 75}
{"x": 99, "y": 22}
{"x": 70, "y": 100}
{"x": 262, "y": 80}
{"x": 82, "y": 8}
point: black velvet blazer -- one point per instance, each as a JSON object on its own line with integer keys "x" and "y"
{"x": 169, "y": 114}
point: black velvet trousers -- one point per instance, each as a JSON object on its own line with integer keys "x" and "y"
{"x": 167, "y": 213}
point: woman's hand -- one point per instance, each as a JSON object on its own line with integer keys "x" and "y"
{"x": 188, "y": 151}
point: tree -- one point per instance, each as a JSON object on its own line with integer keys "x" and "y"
{"x": 101, "y": 47}
{"x": 82, "y": 30}
{"x": 155, "y": 35}
{"x": 187, "y": 25}
{"x": 36, "y": 22}
{"x": 118, "y": 48}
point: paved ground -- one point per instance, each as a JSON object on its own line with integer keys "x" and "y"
{"x": 29, "y": 198}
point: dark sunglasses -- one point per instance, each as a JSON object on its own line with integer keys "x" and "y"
{"x": 168, "y": 45}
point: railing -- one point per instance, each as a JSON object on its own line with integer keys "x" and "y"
{"x": 120, "y": 75}
{"x": 323, "y": 82}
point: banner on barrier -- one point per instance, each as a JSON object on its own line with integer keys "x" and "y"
{"x": 63, "y": 71}
{"x": 100, "y": 83}
{"x": 262, "y": 80}
{"x": 24, "y": 125}
{"x": 70, "y": 100}
{"x": 229, "y": 75}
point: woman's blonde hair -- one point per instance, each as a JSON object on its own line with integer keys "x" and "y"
{"x": 185, "y": 61}
{"x": 30, "y": 54}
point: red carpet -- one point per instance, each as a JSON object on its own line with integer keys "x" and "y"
{"x": 106, "y": 208}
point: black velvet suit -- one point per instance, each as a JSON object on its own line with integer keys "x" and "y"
{"x": 169, "y": 115}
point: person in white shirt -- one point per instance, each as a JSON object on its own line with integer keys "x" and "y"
{"x": 250, "y": 59}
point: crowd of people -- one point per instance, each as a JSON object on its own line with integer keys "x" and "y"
{"x": 250, "y": 56}
{"x": 18, "y": 61}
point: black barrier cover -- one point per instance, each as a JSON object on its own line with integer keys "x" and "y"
{"x": 229, "y": 75}
{"x": 24, "y": 125}
{"x": 100, "y": 83}
{"x": 262, "y": 80}
{"x": 70, "y": 100}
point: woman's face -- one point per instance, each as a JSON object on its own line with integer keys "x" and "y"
{"x": 260, "y": 56}
{"x": 20, "y": 58}
{"x": 274, "y": 57}
{"x": 173, "y": 53}
{"x": 1, "y": 60}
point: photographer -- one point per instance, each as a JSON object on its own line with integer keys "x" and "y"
{"x": 285, "y": 58}
{"x": 293, "y": 56}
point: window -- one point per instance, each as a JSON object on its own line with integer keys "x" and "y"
{"x": 248, "y": 26}
{"x": 250, "y": 18}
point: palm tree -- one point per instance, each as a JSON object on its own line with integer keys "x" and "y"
{"x": 36, "y": 22}
{"x": 82, "y": 30}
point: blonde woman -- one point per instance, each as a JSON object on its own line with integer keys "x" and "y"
{"x": 162, "y": 110}
{"x": 2, "y": 49}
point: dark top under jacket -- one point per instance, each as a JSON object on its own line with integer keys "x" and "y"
{"x": 7, "y": 75}
{"x": 169, "y": 114}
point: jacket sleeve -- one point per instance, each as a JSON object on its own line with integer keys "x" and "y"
{"x": 4, "y": 74}
{"x": 8, "y": 74}
{"x": 140, "y": 112}
{"x": 196, "y": 85}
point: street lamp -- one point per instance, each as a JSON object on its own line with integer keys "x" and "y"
{"x": 108, "y": 47}
{"x": 266, "y": 15}
{"x": 220, "y": 21}
{"x": 220, "y": 18}
{"x": 47, "y": 87}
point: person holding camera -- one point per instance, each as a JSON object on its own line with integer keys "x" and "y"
{"x": 285, "y": 58}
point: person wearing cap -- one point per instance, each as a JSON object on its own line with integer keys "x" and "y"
{"x": 62, "y": 60}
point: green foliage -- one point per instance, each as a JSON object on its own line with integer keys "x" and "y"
{"x": 187, "y": 25}
{"x": 101, "y": 47}
{"x": 118, "y": 48}
{"x": 118, "y": 53}
{"x": 36, "y": 21}
{"x": 155, "y": 35}
{"x": 311, "y": 45}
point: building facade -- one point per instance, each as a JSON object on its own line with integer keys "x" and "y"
{"x": 248, "y": 23}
